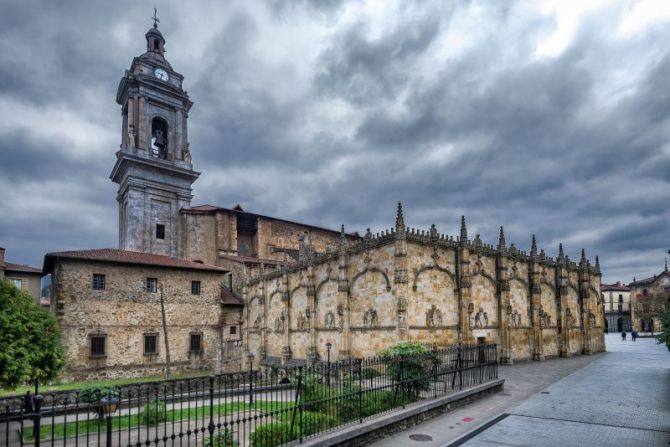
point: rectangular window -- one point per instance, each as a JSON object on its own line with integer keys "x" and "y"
{"x": 150, "y": 344}
{"x": 18, "y": 283}
{"x": 98, "y": 343}
{"x": 195, "y": 344}
{"x": 233, "y": 330}
{"x": 195, "y": 287}
{"x": 152, "y": 285}
{"x": 160, "y": 231}
{"x": 98, "y": 281}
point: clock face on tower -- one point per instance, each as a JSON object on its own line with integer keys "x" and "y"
{"x": 161, "y": 74}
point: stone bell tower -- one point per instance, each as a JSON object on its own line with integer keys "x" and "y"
{"x": 153, "y": 166}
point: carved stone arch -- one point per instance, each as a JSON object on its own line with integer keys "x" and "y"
{"x": 276, "y": 292}
{"x": 295, "y": 289}
{"x": 255, "y": 298}
{"x": 547, "y": 283}
{"x": 489, "y": 277}
{"x": 432, "y": 267}
{"x": 371, "y": 270}
{"x": 323, "y": 283}
{"x": 520, "y": 280}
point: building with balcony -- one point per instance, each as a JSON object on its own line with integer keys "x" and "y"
{"x": 617, "y": 307}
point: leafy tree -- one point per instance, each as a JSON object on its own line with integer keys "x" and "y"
{"x": 664, "y": 336}
{"x": 409, "y": 364}
{"x": 29, "y": 339}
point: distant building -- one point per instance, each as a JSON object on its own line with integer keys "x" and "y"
{"x": 108, "y": 307}
{"x": 650, "y": 297}
{"x": 22, "y": 276}
{"x": 617, "y": 307}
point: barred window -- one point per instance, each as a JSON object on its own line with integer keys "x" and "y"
{"x": 150, "y": 344}
{"x": 233, "y": 330}
{"x": 98, "y": 343}
{"x": 195, "y": 287}
{"x": 196, "y": 342}
{"x": 152, "y": 285}
{"x": 98, "y": 282}
{"x": 160, "y": 231}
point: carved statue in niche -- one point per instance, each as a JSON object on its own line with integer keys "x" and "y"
{"x": 370, "y": 318}
{"x": 304, "y": 322}
{"x": 569, "y": 318}
{"x": 592, "y": 318}
{"x": 402, "y": 304}
{"x": 545, "y": 318}
{"x": 186, "y": 153}
{"x": 329, "y": 321}
{"x": 401, "y": 320}
{"x": 131, "y": 137}
{"x": 434, "y": 317}
{"x": 257, "y": 322}
{"x": 279, "y": 322}
{"x": 481, "y": 318}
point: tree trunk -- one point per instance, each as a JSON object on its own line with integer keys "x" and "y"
{"x": 165, "y": 336}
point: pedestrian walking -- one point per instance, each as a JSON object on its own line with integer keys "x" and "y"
{"x": 634, "y": 334}
{"x": 623, "y": 335}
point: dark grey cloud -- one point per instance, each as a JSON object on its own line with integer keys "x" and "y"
{"x": 331, "y": 112}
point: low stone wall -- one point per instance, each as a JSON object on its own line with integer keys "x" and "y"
{"x": 379, "y": 427}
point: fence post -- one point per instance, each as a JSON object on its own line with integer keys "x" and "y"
{"x": 37, "y": 418}
{"x": 297, "y": 400}
{"x": 211, "y": 410}
{"x": 360, "y": 389}
{"x": 434, "y": 371}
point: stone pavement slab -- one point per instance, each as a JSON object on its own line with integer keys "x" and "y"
{"x": 622, "y": 398}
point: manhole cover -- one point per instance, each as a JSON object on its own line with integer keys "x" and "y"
{"x": 420, "y": 437}
{"x": 544, "y": 392}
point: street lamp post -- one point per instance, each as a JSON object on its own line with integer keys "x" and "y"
{"x": 109, "y": 405}
{"x": 328, "y": 346}
{"x": 251, "y": 377}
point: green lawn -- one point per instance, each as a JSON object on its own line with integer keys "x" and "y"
{"x": 76, "y": 385}
{"x": 92, "y": 426}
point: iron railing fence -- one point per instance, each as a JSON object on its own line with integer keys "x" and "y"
{"x": 259, "y": 408}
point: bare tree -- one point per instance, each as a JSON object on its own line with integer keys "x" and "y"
{"x": 165, "y": 336}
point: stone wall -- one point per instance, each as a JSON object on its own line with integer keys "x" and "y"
{"x": 414, "y": 285}
{"x": 125, "y": 311}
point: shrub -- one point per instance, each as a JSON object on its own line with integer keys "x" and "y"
{"x": 153, "y": 413}
{"x": 314, "y": 422}
{"x": 370, "y": 373}
{"x": 222, "y": 439}
{"x": 92, "y": 394}
{"x": 274, "y": 433}
{"x": 410, "y": 365}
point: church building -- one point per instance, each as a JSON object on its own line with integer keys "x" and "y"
{"x": 240, "y": 282}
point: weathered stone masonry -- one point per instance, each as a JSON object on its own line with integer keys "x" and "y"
{"x": 405, "y": 284}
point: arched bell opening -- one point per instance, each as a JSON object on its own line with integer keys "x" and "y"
{"x": 159, "y": 138}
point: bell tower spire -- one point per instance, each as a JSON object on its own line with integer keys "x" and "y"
{"x": 153, "y": 167}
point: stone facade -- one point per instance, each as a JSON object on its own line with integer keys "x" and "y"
{"x": 650, "y": 298}
{"x": 405, "y": 284}
{"x": 123, "y": 311}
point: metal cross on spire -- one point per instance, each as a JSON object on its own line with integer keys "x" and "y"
{"x": 155, "y": 18}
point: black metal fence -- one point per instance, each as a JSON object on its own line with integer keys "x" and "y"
{"x": 260, "y": 408}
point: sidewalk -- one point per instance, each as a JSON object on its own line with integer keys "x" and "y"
{"x": 614, "y": 398}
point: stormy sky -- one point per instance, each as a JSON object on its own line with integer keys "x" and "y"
{"x": 547, "y": 117}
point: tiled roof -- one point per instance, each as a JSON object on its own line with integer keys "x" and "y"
{"x": 23, "y": 268}
{"x": 127, "y": 257}
{"x": 230, "y": 298}
{"x": 613, "y": 288}
{"x": 647, "y": 281}
{"x": 238, "y": 209}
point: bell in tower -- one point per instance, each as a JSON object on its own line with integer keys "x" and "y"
{"x": 153, "y": 166}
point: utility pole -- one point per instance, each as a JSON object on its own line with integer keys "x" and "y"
{"x": 165, "y": 336}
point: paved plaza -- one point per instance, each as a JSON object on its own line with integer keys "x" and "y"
{"x": 617, "y": 398}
